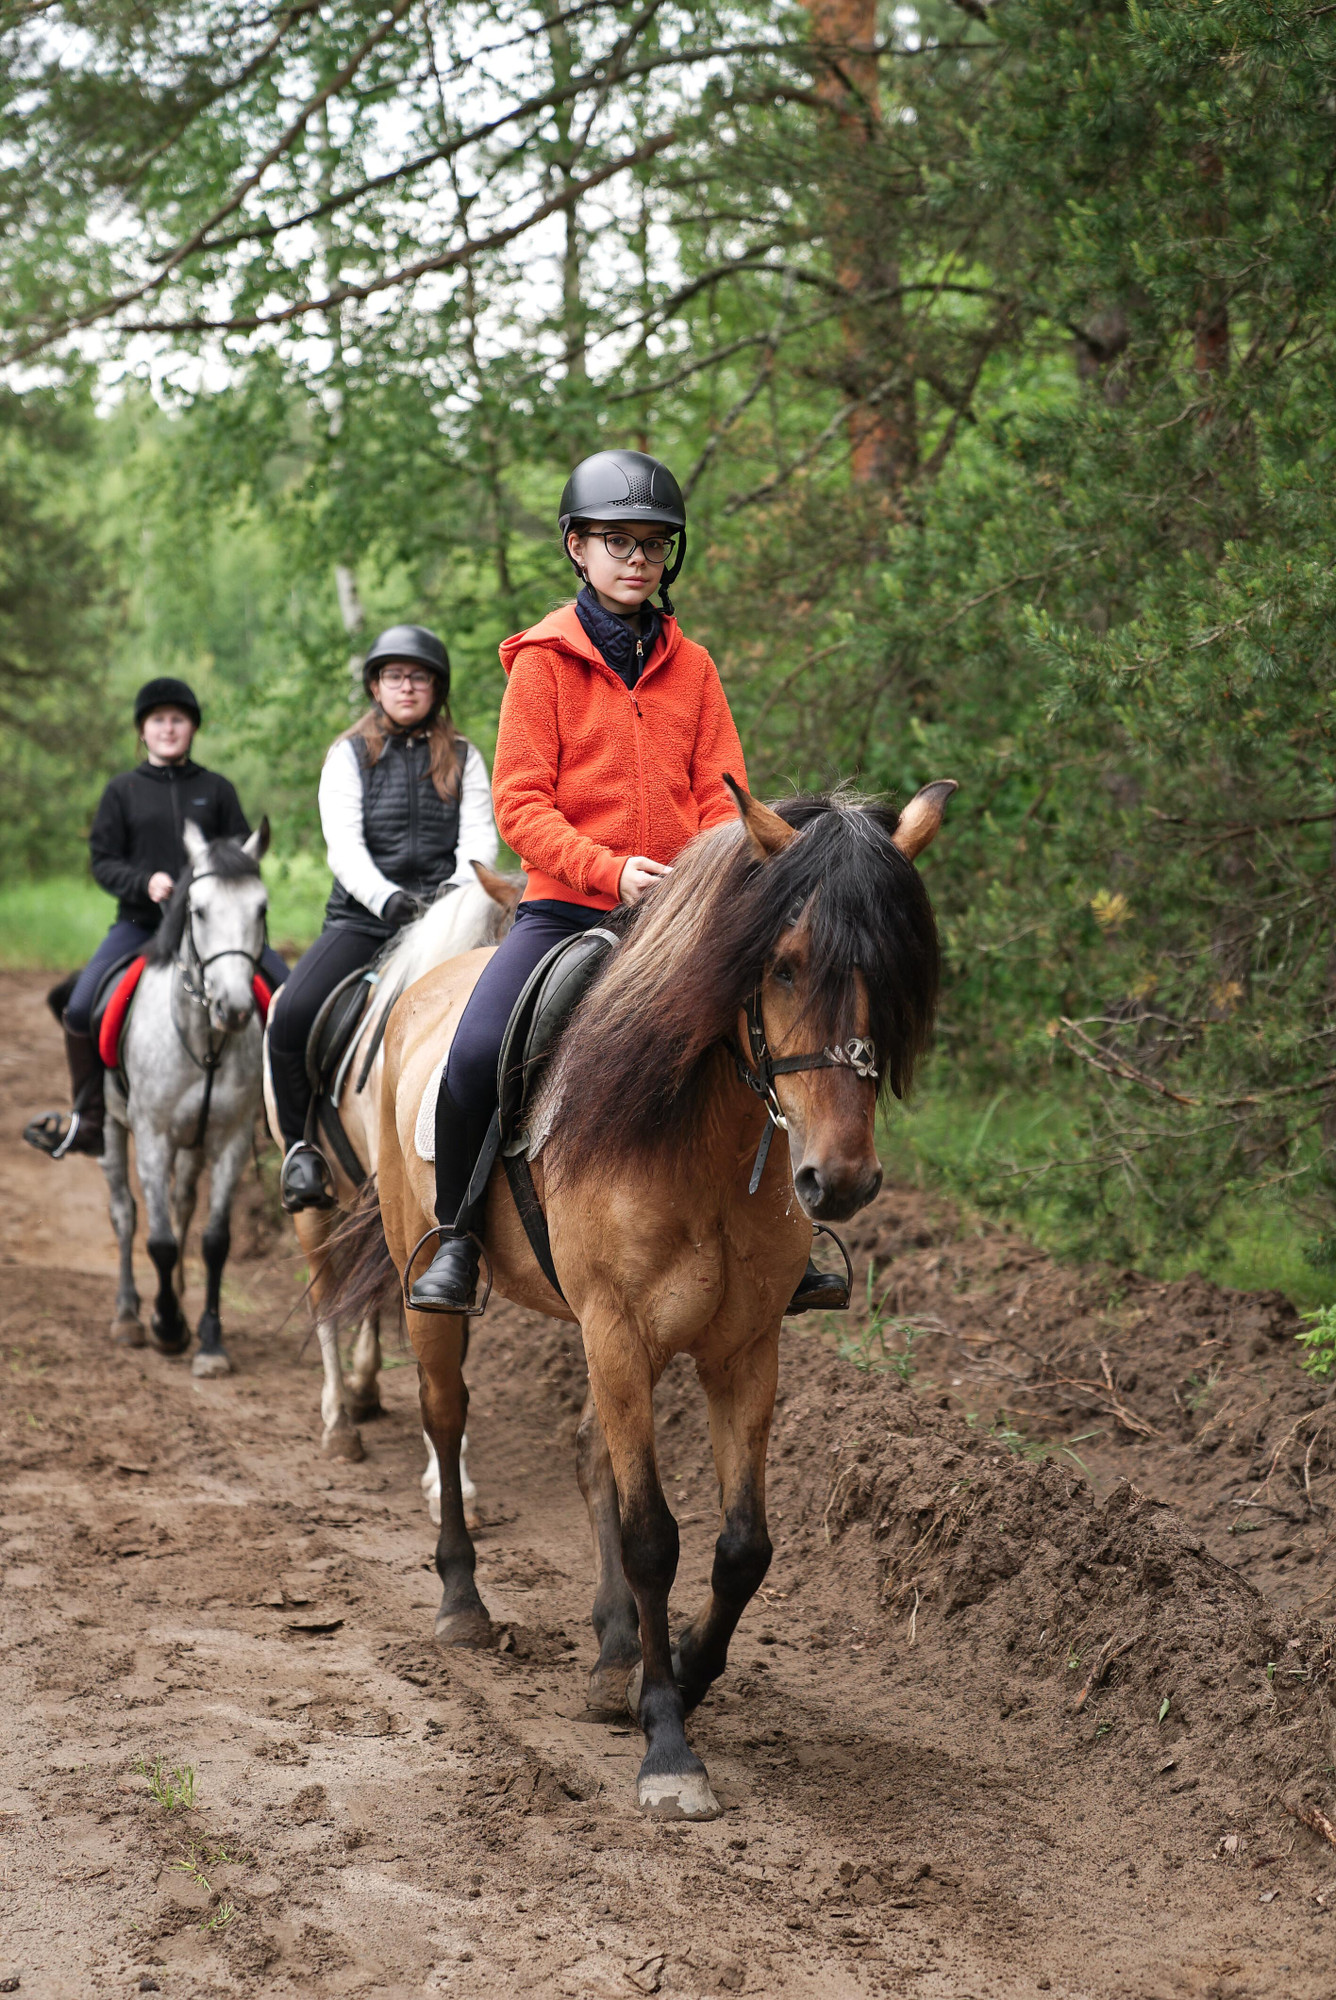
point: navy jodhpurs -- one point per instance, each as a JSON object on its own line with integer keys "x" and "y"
{"x": 124, "y": 938}
{"x": 470, "y": 1074}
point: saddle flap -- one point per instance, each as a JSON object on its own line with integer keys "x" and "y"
{"x": 112, "y": 1004}
{"x": 334, "y": 1027}
{"x": 551, "y": 994}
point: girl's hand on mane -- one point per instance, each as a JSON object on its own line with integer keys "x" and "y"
{"x": 639, "y": 874}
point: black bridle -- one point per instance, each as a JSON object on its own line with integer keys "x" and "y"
{"x": 857, "y": 1054}
{"x": 196, "y": 988}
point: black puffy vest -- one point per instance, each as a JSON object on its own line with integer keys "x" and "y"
{"x": 410, "y": 832}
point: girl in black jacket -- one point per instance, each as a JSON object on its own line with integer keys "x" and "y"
{"x": 138, "y": 850}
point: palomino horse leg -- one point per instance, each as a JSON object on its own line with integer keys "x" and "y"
{"x": 438, "y": 1341}
{"x": 168, "y": 1329}
{"x": 742, "y": 1401}
{"x": 672, "y": 1781}
{"x": 363, "y": 1388}
{"x": 340, "y": 1438}
{"x": 431, "y": 1485}
{"x": 226, "y": 1172}
{"x": 616, "y": 1624}
{"x": 127, "y": 1328}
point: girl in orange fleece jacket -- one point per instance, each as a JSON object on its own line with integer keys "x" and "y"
{"x": 613, "y": 741}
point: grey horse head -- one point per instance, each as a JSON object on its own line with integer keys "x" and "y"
{"x": 215, "y": 923}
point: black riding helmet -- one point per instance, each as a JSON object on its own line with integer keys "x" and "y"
{"x": 409, "y": 642}
{"x": 165, "y": 692}
{"x": 628, "y": 486}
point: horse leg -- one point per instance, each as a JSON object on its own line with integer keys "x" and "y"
{"x": 431, "y": 1484}
{"x": 186, "y": 1171}
{"x": 127, "y": 1329}
{"x": 168, "y": 1329}
{"x": 438, "y": 1340}
{"x": 340, "y": 1437}
{"x": 742, "y": 1400}
{"x": 364, "y": 1370}
{"x": 672, "y": 1780}
{"x": 616, "y": 1624}
{"x": 227, "y": 1170}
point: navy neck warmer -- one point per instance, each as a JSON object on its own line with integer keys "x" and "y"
{"x": 625, "y": 649}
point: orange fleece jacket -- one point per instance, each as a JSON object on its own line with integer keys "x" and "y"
{"x": 589, "y": 772}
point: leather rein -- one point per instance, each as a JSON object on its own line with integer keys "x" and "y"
{"x": 857, "y": 1054}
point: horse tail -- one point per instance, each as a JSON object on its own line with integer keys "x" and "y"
{"x": 359, "y": 1258}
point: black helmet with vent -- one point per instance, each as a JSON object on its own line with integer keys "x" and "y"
{"x": 409, "y": 642}
{"x": 626, "y": 486}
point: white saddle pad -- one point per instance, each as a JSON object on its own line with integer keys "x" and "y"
{"x": 424, "y": 1132}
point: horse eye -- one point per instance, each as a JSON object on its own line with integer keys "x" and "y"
{"x": 784, "y": 972}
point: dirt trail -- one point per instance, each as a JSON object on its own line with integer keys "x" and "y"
{"x": 919, "y": 1801}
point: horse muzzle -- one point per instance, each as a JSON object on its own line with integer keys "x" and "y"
{"x": 830, "y": 1192}
{"x": 230, "y": 1017}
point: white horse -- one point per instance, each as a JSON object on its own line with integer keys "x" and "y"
{"x": 466, "y": 918}
{"x": 188, "y": 1086}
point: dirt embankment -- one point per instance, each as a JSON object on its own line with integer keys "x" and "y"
{"x": 1001, "y": 1722}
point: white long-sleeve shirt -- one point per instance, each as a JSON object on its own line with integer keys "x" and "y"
{"x": 341, "y": 821}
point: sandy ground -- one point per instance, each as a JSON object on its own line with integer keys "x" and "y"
{"x": 918, "y": 1801}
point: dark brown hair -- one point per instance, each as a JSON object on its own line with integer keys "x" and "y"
{"x": 371, "y": 729}
{"x": 633, "y": 1074}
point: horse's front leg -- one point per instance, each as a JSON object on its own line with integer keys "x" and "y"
{"x": 127, "y": 1329}
{"x": 672, "y": 1781}
{"x": 340, "y": 1437}
{"x": 438, "y": 1341}
{"x": 616, "y": 1620}
{"x": 741, "y": 1397}
{"x": 226, "y": 1171}
{"x": 153, "y": 1152}
{"x": 186, "y": 1171}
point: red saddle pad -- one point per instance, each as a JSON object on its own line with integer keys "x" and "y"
{"x": 118, "y": 1007}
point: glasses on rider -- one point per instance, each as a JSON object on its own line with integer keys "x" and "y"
{"x": 621, "y": 547}
{"x": 416, "y": 678}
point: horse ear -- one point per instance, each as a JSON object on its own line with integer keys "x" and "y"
{"x": 922, "y": 816}
{"x": 502, "y": 889}
{"x": 766, "y": 832}
{"x": 257, "y": 843}
{"x": 195, "y": 843}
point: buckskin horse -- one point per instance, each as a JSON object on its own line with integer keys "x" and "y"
{"x": 474, "y": 914}
{"x": 187, "y": 1085}
{"x": 782, "y": 976}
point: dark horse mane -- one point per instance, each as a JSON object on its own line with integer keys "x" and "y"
{"x": 228, "y": 860}
{"x": 635, "y": 1068}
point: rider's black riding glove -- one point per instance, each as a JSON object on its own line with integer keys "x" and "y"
{"x": 401, "y": 909}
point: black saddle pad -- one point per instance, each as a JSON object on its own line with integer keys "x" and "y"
{"x": 107, "y": 985}
{"x": 554, "y": 989}
{"x": 334, "y": 1027}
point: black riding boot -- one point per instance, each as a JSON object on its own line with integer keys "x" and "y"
{"x": 306, "y": 1180}
{"x": 82, "y": 1131}
{"x": 449, "y": 1281}
{"x": 819, "y": 1291}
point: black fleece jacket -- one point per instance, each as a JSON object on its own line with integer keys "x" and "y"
{"x": 137, "y": 830}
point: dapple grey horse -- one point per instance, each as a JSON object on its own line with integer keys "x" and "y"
{"x": 188, "y": 1087}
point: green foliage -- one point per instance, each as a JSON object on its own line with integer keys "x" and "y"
{"x": 1318, "y": 1338}
{"x": 175, "y": 1790}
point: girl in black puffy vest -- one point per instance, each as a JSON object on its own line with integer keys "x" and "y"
{"x": 406, "y": 807}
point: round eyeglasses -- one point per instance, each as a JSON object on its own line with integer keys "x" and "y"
{"x": 656, "y": 549}
{"x": 399, "y": 677}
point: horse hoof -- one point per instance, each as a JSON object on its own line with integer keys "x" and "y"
{"x": 173, "y": 1344}
{"x": 127, "y": 1331}
{"x": 609, "y": 1691}
{"x": 635, "y": 1681}
{"x": 688, "y": 1796}
{"x": 364, "y": 1409}
{"x": 342, "y": 1442}
{"x": 472, "y": 1629}
{"x": 215, "y": 1362}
